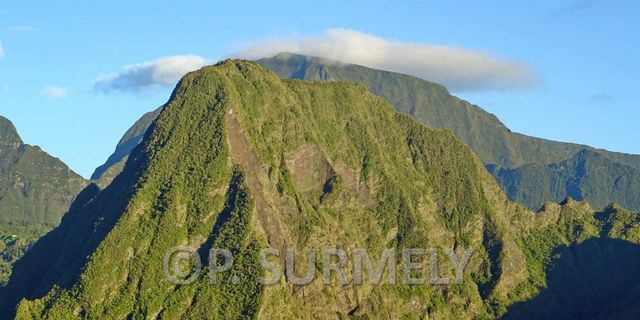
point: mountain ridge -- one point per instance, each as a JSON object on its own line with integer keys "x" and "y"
{"x": 35, "y": 191}
{"x": 586, "y": 175}
{"x": 127, "y": 143}
{"x": 178, "y": 160}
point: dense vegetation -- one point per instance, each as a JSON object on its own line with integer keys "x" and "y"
{"x": 35, "y": 191}
{"x": 240, "y": 158}
{"x": 588, "y": 175}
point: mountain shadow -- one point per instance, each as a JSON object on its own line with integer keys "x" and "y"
{"x": 595, "y": 279}
{"x": 36, "y": 189}
{"x": 588, "y": 175}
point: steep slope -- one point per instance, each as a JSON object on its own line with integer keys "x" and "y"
{"x": 433, "y": 106}
{"x": 585, "y": 265}
{"x": 35, "y": 191}
{"x": 104, "y": 174}
{"x": 241, "y": 159}
{"x": 587, "y": 175}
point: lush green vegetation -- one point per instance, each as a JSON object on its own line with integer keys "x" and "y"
{"x": 588, "y": 175}
{"x": 35, "y": 191}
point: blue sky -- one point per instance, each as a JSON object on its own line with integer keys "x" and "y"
{"x": 583, "y": 55}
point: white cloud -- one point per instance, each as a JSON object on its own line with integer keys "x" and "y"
{"x": 163, "y": 72}
{"x": 53, "y": 92}
{"x": 1, "y": 50}
{"x": 457, "y": 68}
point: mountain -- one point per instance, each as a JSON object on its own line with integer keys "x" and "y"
{"x": 36, "y": 189}
{"x": 587, "y": 175}
{"x": 433, "y": 106}
{"x": 240, "y": 158}
{"x": 590, "y": 265}
{"x": 105, "y": 173}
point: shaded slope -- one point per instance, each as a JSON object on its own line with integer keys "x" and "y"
{"x": 588, "y": 175}
{"x": 590, "y": 267}
{"x": 595, "y": 279}
{"x": 35, "y": 191}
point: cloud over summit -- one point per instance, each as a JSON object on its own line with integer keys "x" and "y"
{"x": 162, "y": 72}
{"x": 457, "y": 68}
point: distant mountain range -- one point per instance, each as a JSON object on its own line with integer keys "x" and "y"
{"x": 552, "y": 169}
{"x": 36, "y": 189}
{"x": 589, "y": 174}
{"x": 240, "y": 158}
{"x": 105, "y": 173}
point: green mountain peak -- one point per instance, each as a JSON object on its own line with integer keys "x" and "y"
{"x": 35, "y": 191}
{"x": 8, "y": 133}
